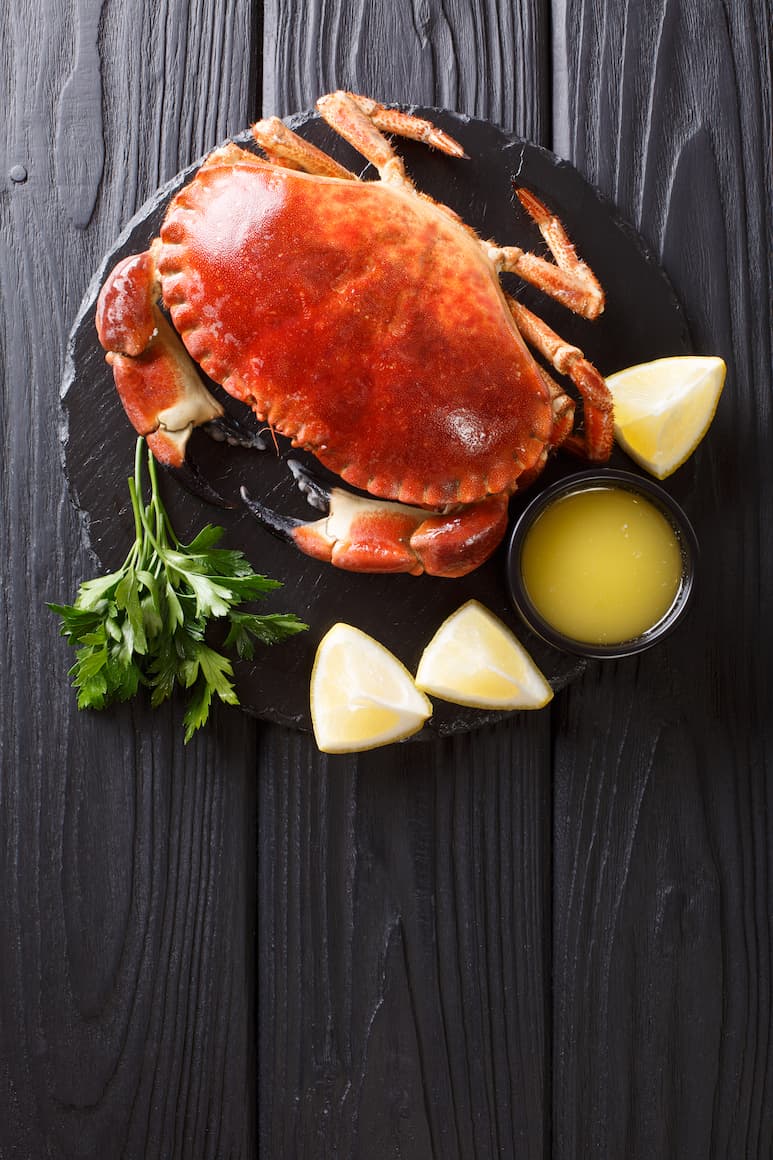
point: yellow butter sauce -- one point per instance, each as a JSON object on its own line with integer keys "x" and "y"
{"x": 602, "y": 565}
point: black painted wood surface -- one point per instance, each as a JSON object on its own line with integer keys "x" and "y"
{"x": 551, "y": 937}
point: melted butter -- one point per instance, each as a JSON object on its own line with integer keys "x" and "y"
{"x": 602, "y": 566}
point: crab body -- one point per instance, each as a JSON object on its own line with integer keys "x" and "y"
{"x": 359, "y": 320}
{"x": 368, "y": 324}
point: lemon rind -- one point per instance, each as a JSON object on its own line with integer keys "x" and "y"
{"x": 649, "y": 463}
{"x": 448, "y": 694}
{"x": 379, "y": 740}
{"x": 468, "y": 703}
{"x": 366, "y": 747}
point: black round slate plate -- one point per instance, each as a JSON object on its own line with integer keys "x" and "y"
{"x": 643, "y": 320}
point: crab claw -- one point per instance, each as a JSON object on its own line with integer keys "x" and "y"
{"x": 156, "y": 379}
{"x": 162, "y": 394}
{"x": 283, "y": 527}
{"x": 367, "y": 535}
{"x": 226, "y": 428}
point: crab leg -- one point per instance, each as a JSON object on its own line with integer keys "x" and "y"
{"x": 366, "y": 535}
{"x": 404, "y": 125}
{"x": 286, "y": 148}
{"x": 570, "y": 281}
{"x": 569, "y": 360}
{"x": 563, "y": 412}
{"x": 360, "y": 121}
{"x": 563, "y": 421}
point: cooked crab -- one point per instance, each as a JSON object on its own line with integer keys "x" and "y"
{"x": 367, "y": 323}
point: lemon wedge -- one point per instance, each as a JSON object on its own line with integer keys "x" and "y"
{"x": 474, "y": 659}
{"x": 664, "y": 408}
{"x": 362, "y": 696}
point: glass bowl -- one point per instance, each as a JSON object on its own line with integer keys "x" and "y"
{"x": 587, "y": 480}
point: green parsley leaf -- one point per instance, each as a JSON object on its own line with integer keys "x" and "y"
{"x": 145, "y": 625}
{"x": 246, "y": 627}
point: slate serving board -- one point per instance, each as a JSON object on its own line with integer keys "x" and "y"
{"x": 643, "y": 320}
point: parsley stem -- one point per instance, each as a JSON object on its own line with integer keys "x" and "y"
{"x": 159, "y": 536}
{"x": 136, "y": 491}
{"x": 163, "y": 523}
{"x": 147, "y": 529}
{"x": 145, "y": 624}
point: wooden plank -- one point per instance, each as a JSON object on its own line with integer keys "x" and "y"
{"x": 662, "y": 931}
{"x": 488, "y": 59}
{"x": 403, "y": 895}
{"x": 126, "y": 861}
{"x": 401, "y": 942}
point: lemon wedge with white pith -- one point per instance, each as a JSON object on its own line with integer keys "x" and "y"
{"x": 474, "y": 659}
{"x": 362, "y": 696}
{"x": 664, "y": 408}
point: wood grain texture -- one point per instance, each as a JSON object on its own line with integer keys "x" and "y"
{"x": 242, "y": 948}
{"x": 487, "y": 59}
{"x": 80, "y": 144}
{"x": 662, "y": 892}
{"x": 127, "y": 862}
{"x": 403, "y": 895}
{"x": 402, "y": 1002}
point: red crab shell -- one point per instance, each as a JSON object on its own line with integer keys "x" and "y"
{"x": 360, "y": 320}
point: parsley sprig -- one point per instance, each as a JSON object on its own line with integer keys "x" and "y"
{"x": 146, "y": 624}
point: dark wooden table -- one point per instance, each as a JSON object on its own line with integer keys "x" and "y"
{"x": 550, "y": 937}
